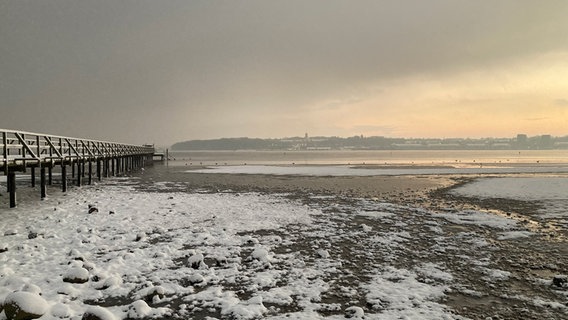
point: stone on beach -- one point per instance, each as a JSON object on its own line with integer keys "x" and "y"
{"x": 154, "y": 294}
{"x": 139, "y": 309}
{"x": 97, "y": 313}
{"x": 76, "y": 275}
{"x": 354, "y": 312}
{"x": 560, "y": 281}
{"x": 196, "y": 261}
{"x": 10, "y": 232}
{"x": 196, "y": 278}
{"x": 24, "y": 305}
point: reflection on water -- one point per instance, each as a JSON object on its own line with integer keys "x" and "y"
{"x": 378, "y": 157}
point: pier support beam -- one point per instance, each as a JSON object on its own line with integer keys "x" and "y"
{"x": 42, "y": 182}
{"x": 99, "y": 169}
{"x": 90, "y": 177}
{"x": 12, "y": 188}
{"x": 50, "y": 175}
{"x": 105, "y": 168}
{"x": 33, "y": 176}
{"x": 63, "y": 177}
{"x": 78, "y": 173}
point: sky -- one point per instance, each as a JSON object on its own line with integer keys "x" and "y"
{"x": 142, "y": 71}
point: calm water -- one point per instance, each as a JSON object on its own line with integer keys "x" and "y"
{"x": 436, "y": 157}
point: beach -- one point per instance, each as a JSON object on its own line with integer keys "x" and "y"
{"x": 176, "y": 242}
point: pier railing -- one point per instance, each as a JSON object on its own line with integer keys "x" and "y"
{"x": 22, "y": 150}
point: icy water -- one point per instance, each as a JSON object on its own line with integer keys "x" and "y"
{"x": 436, "y": 157}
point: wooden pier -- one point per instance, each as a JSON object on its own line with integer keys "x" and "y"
{"x": 23, "y": 152}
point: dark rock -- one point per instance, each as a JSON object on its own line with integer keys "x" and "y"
{"x": 93, "y": 209}
{"x": 140, "y": 236}
{"x": 11, "y": 233}
{"x": 560, "y": 281}
{"x": 220, "y": 261}
{"x": 32, "y": 235}
{"x": 196, "y": 261}
{"x": 155, "y": 294}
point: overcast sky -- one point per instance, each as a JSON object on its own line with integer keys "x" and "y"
{"x": 165, "y": 71}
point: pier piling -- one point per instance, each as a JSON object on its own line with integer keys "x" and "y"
{"x": 43, "y": 186}
{"x": 12, "y": 188}
{"x": 63, "y": 177}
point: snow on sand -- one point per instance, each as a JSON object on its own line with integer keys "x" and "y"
{"x": 242, "y": 256}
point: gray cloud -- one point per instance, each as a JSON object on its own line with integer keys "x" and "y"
{"x": 109, "y": 69}
{"x": 561, "y": 102}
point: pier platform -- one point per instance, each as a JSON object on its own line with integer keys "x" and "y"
{"x": 33, "y": 153}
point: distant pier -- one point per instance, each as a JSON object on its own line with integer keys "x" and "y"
{"x": 36, "y": 153}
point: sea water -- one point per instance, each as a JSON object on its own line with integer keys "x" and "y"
{"x": 377, "y": 157}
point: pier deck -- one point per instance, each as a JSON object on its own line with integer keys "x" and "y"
{"x": 26, "y": 151}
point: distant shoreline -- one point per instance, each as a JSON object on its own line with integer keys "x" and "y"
{"x": 319, "y": 143}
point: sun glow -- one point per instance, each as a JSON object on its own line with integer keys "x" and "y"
{"x": 526, "y": 96}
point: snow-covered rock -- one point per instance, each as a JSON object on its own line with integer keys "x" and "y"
{"x": 76, "y": 275}
{"x": 261, "y": 254}
{"x": 11, "y": 232}
{"x": 196, "y": 261}
{"x": 138, "y": 310}
{"x": 140, "y": 236}
{"x": 112, "y": 281}
{"x": 322, "y": 253}
{"x": 24, "y": 305}
{"x": 32, "y": 288}
{"x": 60, "y": 311}
{"x": 354, "y": 312}
{"x": 98, "y": 313}
{"x": 152, "y": 294}
{"x": 196, "y": 278}
{"x": 250, "y": 309}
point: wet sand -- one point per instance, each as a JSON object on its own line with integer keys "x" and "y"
{"x": 387, "y": 188}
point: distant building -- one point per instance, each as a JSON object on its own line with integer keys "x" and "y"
{"x": 546, "y": 142}
{"x": 522, "y": 141}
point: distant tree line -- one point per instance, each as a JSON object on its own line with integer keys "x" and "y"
{"x": 521, "y": 142}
